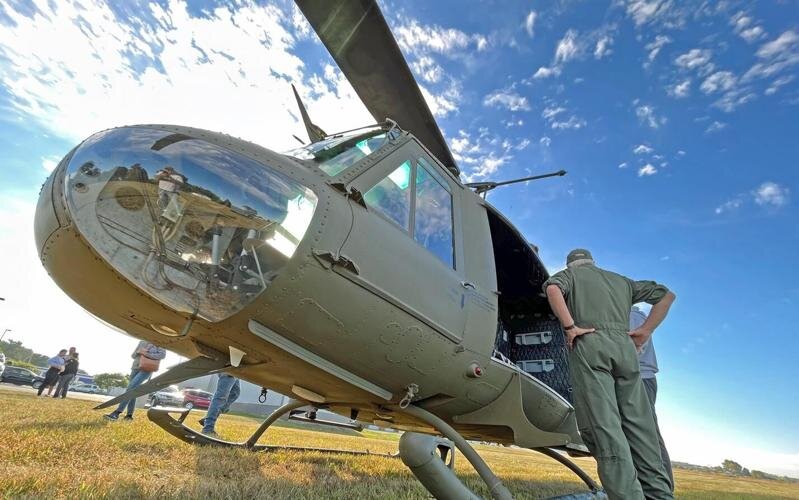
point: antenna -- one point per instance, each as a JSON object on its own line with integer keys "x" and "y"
{"x": 482, "y": 188}
{"x": 314, "y": 132}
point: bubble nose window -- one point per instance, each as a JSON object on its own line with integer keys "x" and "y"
{"x": 200, "y": 228}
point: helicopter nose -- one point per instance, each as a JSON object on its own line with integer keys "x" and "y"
{"x": 201, "y": 228}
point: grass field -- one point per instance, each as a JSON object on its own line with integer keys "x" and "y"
{"x": 64, "y": 449}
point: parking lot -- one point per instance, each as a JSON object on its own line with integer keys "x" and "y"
{"x": 71, "y": 395}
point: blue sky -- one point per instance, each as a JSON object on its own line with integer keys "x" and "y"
{"x": 676, "y": 121}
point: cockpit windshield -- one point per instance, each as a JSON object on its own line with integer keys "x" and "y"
{"x": 337, "y": 153}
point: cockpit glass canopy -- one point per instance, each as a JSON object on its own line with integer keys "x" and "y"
{"x": 339, "y": 152}
{"x": 199, "y": 227}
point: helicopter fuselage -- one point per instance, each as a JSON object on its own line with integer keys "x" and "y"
{"x": 351, "y": 289}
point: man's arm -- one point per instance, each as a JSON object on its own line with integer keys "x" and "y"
{"x": 659, "y": 311}
{"x": 558, "y": 305}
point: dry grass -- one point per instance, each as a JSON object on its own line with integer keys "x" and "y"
{"x": 64, "y": 449}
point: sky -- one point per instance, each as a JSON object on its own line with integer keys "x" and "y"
{"x": 677, "y": 122}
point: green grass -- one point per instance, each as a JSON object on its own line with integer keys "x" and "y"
{"x": 64, "y": 449}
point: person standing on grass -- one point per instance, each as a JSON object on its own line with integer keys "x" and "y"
{"x": 56, "y": 366}
{"x": 66, "y": 377}
{"x": 146, "y": 358}
{"x": 227, "y": 392}
{"x": 648, "y": 363}
{"x": 613, "y": 413}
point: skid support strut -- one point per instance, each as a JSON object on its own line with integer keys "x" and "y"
{"x": 498, "y": 490}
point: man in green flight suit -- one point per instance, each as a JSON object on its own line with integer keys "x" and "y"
{"x": 613, "y": 412}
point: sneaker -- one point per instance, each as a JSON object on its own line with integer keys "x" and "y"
{"x": 113, "y": 416}
{"x": 211, "y": 434}
{"x": 201, "y": 422}
{"x": 128, "y": 418}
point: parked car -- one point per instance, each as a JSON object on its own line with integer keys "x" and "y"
{"x": 21, "y": 376}
{"x": 86, "y": 388}
{"x": 168, "y": 396}
{"x": 195, "y": 398}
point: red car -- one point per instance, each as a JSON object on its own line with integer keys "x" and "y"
{"x": 195, "y": 398}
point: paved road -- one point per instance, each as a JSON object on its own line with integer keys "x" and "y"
{"x": 6, "y": 387}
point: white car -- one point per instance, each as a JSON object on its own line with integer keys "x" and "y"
{"x": 2, "y": 363}
{"x": 168, "y": 396}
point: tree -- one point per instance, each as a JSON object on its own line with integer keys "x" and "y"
{"x": 14, "y": 349}
{"x": 732, "y": 467}
{"x": 109, "y": 380}
{"x": 22, "y": 364}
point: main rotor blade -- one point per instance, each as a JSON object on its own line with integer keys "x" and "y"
{"x": 357, "y": 36}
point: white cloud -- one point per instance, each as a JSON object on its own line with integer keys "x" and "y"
{"x": 771, "y": 193}
{"x": 661, "y": 12}
{"x": 647, "y": 170}
{"x": 646, "y": 114}
{"x": 623, "y": 165}
{"x": 507, "y": 99}
{"x": 680, "y": 90}
{"x": 529, "y": 23}
{"x": 602, "y": 47}
{"x": 551, "y": 112}
{"x": 720, "y": 81}
{"x": 642, "y": 149}
{"x": 693, "y": 59}
{"x": 734, "y": 98}
{"x": 573, "y": 123}
{"x": 730, "y": 205}
{"x": 775, "y": 56}
{"x": 415, "y": 38}
{"x": 567, "y": 48}
{"x": 743, "y": 27}
{"x": 715, "y": 127}
{"x": 545, "y": 141}
{"x": 544, "y": 72}
{"x": 656, "y": 45}
{"x": 779, "y": 82}
{"x": 242, "y": 57}
{"x": 428, "y": 69}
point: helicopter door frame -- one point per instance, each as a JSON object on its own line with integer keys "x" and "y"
{"x": 440, "y": 303}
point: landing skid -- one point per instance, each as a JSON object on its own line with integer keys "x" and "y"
{"x": 162, "y": 417}
{"x": 429, "y": 458}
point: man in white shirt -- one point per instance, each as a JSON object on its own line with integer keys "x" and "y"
{"x": 648, "y": 364}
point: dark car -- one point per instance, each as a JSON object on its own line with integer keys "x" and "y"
{"x": 21, "y": 376}
{"x": 195, "y": 398}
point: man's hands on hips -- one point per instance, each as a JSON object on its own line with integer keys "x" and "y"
{"x": 576, "y": 332}
{"x": 640, "y": 336}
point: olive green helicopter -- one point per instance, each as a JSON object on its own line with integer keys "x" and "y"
{"x": 356, "y": 273}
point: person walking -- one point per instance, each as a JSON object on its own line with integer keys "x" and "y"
{"x": 146, "y": 358}
{"x": 55, "y": 367}
{"x": 648, "y": 364}
{"x": 613, "y": 413}
{"x": 66, "y": 377}
{"x": 228, "y": 389}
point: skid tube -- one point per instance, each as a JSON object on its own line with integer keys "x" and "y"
{"x": 161, "y": 416}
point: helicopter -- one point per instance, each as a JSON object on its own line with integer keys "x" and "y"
{"x": 356, "y": 273}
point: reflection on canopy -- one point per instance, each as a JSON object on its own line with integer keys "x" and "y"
{"x": 198, "y": 227}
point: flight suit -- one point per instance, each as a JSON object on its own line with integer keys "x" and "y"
{"x": 613, "y": 413}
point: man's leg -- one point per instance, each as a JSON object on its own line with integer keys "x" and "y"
{"x": 639, "y": 424}
{"x": 599, "y": 421}
{"x": 233, "y": 395}
{"x": 60, "y": 386}
{"x": 651, "y": 386}
{"x": 221, "y": 395}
